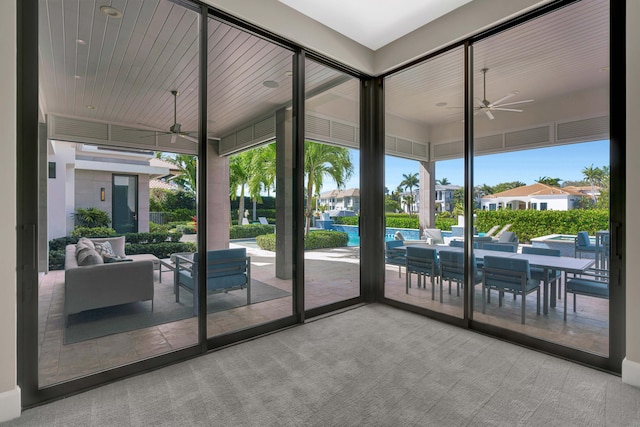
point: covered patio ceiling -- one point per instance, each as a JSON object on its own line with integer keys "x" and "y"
{"x": 122, "y": 70}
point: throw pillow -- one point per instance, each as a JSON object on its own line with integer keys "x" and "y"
{"x": 89, "y": 256}
{"x": 104, "y": 249}
{"x": 117, "y": 243}
{"x": 82, "y": 244}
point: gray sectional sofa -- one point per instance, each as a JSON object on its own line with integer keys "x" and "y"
{"x": 92, "y": 283}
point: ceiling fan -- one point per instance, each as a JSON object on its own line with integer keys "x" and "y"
{"x": 175, "y": 129}
{"x": 499, "y": 105}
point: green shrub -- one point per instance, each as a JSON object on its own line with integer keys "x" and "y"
{"x": 248, "y": 231}
{"x": 267, "y": 242}
{"x": 93, "y": 232}
{"x": 404, "y": 221}
{"x": 161, "y": 250}
{"x": 60, "y": 243}
{"x": 528, "y": 224}
{"x": 181, "y": 214}
{"x": 56, "y": 259}
{"x": 326, "y": 239}
{"x": 91, "y": 217}
{"x": 346, "y": 220}
{"x": 148, "y": 238}
{"x": 159, "y": 228}
{"x": 318, "y": 239}
{"x": 444, "y": 223}
{"x": 186, "y": 229}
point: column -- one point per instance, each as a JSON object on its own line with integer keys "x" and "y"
{"x": 427, "y": 195}
{"x": 284, "y": 195}
{"x": 218, "y": 201}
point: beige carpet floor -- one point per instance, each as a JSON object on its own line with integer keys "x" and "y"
{"x": 369, "y": 366}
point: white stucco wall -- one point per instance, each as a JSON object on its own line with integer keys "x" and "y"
{"x": 9, "y": 391}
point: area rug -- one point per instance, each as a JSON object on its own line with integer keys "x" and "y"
{"x": 101, "y": 322}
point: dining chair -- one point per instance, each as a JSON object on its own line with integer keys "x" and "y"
{"x": 423, "y": 262}
{"x": 499, "y": 247}
{"x": 582, "y": 243}
{"x": 538, "y": 272}
{"x": 510, "y": 275}
{"x": 452, "y": 269}
{"x": 395, "y": 256}
{"x": 592, "y": 283}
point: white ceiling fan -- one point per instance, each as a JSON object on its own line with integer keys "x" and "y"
{"x": 498, "y": 105}
{"x": 175, "y": 129}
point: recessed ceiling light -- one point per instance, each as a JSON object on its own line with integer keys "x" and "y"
{"x": 272, "y": 84}
{"x": 90, "y": 107}
{"x": 111, "y": 11}
{"x": 441, "y": 104}
{"x": 77, "y": 77}
{"x": 81, "y": 42}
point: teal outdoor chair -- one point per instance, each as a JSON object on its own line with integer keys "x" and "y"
{"x": 227, "y": 270}
{"x": 395, "y": 256}
{"x": 538, "y": 273}
{"x": 583, "y": 244}
{"x": 499, "y": 247}
{"x": 423, "y": 262}
{"x": 592, "y": 283}
{"x": 508, "y": 275}
{"x": 452, "y": 270}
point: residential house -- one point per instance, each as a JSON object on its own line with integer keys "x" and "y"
{"x": 340, "y": 200}
{"x": 539, "y": 197}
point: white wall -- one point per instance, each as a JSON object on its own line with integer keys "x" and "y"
{"x": 631, "y": 364}
{"x": 60, "y": 208}
{"x": 9, "y": 392}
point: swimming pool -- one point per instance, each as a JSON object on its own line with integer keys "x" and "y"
{"x": 389, "y": 234}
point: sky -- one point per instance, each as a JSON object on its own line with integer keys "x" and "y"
{"x": 565, "y": 162}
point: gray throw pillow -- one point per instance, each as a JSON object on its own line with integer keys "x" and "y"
{"x": 88, "y": 256}
{"x": 104, "y": 249}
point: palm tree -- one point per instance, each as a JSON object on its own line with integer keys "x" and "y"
{"x": 443, "y": 181}
{"x": 554, "y": 182}
{"x": 320, "y": 161}
{"x": 248, "y": 172}
{"x": 411, "y": 180}
{"x": 594, "y": 176}
{"x": 188, "y": 167}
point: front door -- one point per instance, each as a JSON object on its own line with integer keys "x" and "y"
{"x": 125, "y": 203}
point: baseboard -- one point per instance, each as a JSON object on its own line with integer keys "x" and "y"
{"x": 631, "y": 372}
{"x": 10, "y": 404}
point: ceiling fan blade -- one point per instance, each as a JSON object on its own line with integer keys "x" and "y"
{"x": 480, "y": 103}
{"x": 174, "y": 136}
{"x": 515, "y": 102}
{"x": 506, "y": 109}
{"x": 504, "y": 98}
{"x": 188, "y": 138}
{"x": 489, "y": 114}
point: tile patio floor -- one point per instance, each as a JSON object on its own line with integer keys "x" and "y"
{"x": 331, "y": 276}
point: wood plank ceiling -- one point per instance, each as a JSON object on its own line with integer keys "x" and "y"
{"x": 121, "y": 70}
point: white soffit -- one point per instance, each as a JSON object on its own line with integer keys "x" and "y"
{"x": 374, "y": 23}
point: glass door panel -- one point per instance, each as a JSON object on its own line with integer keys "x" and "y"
{"x": 424, "y": 184}
{"x": 332, "y": 186}
{"x": 541, "y": 174}
{"x": 109, "y": 301}
{"x": 249, "y": 181}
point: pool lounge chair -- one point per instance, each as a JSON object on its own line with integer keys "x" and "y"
{"x": 491, "y": 231}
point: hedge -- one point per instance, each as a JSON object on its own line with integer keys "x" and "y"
{"x": 528, "y": 224}
{"x": 318, "y": 239}
{"x": 248, "y": 231}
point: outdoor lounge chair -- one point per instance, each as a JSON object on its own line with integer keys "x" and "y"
{"x": 433, "y": 236}
{"x": 506, "y": 238}
{"x": 263, "y": 220}
{"x": 227, "y": 270}
{"x": 491, "y": 231}
{"x": 502, "y": 230}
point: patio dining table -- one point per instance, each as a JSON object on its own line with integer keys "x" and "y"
{"x": 549, "y": 264}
